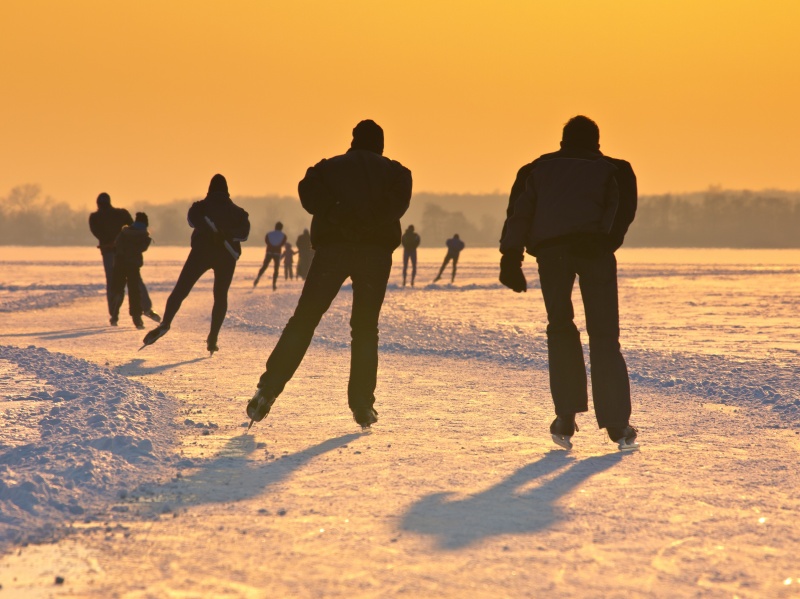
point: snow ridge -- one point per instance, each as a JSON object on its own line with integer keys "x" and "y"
{"x": 98, "y": 435}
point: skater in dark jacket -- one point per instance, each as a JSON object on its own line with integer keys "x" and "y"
{"x": 130, "y": 244}
{"x": 410, "y": 241}
{"x": 454, "y": 247}
{"x": 571, "y": 209}
{"x": 105, "y": 225}
{"x": 275, "y": 241}
{"x": 219, "y": 227}
{"x": 356, "y": 200}
{"x": 305, "y": 254}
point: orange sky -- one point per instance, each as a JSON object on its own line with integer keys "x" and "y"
{"x": 147, "y": 100}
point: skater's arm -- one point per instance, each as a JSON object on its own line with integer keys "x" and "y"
{"x": 315, "y": 196}
{"x": 610, "y": 205}
{"x": 398, "y": 197}
{"x": 628, "y": 200}
{"x": 241, "y": 230}
{"x": 519, "y": 222}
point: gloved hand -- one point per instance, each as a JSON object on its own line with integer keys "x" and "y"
{"x": 511, "y": 274}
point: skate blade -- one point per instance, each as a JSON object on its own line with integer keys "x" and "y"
{"x": 628, "y": 446}
{"x": 562, "y": 441}
{"x": 141, "y": 348}
{"x": 249, "y": 426}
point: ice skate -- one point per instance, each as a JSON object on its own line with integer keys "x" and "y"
{"x": 562, "y": 429}
{"x": 624, "y": 437}
{"x": 139, "y": 325}
{"x": 211, "y": 345}
{"x": 152, "y": 315}
{"x": 259, "y": 406}
{"x": 365, "y": 418}
{"x": 154, "y": 335}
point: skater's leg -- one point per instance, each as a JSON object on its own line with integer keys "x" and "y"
{"x": 147, "y": 303}
{"x": 325, "y": 277}
{"x": 277, "y": 259}
{"x": 108, "y": 267}
{"x": 406, "y": 258}
{"x": 223, "y": 276}
{"x": 610, "y": 384}
{"x": 196, "y": 264}
{"x": 413, "y": 267}
{"x": 134, "y": 294}
{"x": 455, "y": 264}
{"x": 117, "y": 290}
{"x": 261, "y": 270}
{"x": 370, "y": 277}
{"x": 444, "y": 265}
{"x": 564, "y": 351}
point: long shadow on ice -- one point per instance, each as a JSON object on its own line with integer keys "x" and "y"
{"x": 67, "y": 333}
{"x": 505, "y": 508}
{"x": 232, "y": 476}
{"x": 136, "y": 367}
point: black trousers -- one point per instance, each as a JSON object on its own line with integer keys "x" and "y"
{"x": 447, "y": 258}
{"x": 124, "y": 274}
{"x": 369, "y": 270}
{"x": 276, "y": 258}
{"x": 108, "y": 265}
{"x": 412, "y": 256}
{"x": 196, "y": 265}
{"x": 597, "y": 273}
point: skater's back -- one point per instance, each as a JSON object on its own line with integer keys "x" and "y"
{"x": 107, "y": 221}
{"x": 230, "y": 220}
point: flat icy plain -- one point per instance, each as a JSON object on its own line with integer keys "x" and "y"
{"x": 130, "y": 474}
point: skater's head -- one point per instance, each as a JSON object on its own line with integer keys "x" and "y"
{"x": 104, "y": 200}
{"x": 218, "y": 185}
{"x": 305, "y": 232}
{"x": 142, "y": 220}
{"x": 288, "y": 245}
{"x": 368, "y": 135}
{"x": 582, "y": 133}
{"x": 410, "y": 228}
{"x": 455, "y": 236}
{"x": 279, "y": 226}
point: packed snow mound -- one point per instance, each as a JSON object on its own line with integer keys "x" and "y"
{"x": 76, "y": 436}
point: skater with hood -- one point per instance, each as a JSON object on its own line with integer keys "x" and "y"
{"x": 411, "y": 241}
{"x": 454, "y": 247}
{"x": 130, "y": 244}
{"x": 275, "y": 241}
{"x": 105, "y": 225}
{"x": 571, "y": 209}
{"x": 219, "y": 227}
{"x": 356, "y": 200}
{"x": 305, "y": 253}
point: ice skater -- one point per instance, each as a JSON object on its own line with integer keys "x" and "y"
{"x": 274, "y": 240}
{"x": 454, "y": 247}
{"x": 571, "y": 209}
{"x": 305, "y": 254}
{"x": 410, "y": 241}
{"x": 131, "y": 243}
{"x": 106, "y": 224}
{"x": 288, "y": 261}
{"x": 219, "y": 227}
{"x": 356, "y": 200}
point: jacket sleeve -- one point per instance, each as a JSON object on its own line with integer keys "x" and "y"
{"x": 516, "y": 190}
{"x": 195, "y": 216}
{"x": 241, "y": 229}
{"x": 126, "y": 217}
{"x": 610, "y": 205}
{"x": 315, "y": 196}
{"x": 520, "y": 220}
{"x": 398, "y": 195}
{"x": 93, "y": 227}
{"x": 628, "y": 201}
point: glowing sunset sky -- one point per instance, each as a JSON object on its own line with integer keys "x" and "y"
{"x": 147, "y": 100}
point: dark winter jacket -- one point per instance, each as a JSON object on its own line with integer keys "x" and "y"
{"x": 454, "y": 246}
{"x": 131, "y": 243}
{"x": 411, "y": 241}
{"x": 572, "y": 196}
{"x": 356, "y": 198}
{"x": 106, "y": 223}
{"x": 231, "y": 221}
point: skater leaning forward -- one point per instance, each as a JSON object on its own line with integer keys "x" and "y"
{"x": 219, "y": 227}
{"x": 356, "y": 201}
{"x": 571, "y": 209}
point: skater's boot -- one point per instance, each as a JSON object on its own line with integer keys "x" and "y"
{"x": 562, "y": 429}
{"x": 211, "y": 344}
{"x": 154, "y": 335}
{"x": 138, "y": 324}
{"x": 259, "y": 406}
{"x": 365, "y": 417}
{"x": 624, "y": 437}
{"x": 152, "y": 315}
{"x": 113, "y": 321}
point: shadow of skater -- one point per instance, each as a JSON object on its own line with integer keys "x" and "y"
{"x": 136, "y": 367}
{"x": 505, "y": 508}
{"x": 231, "y": 476}
{"x": 65, "y": 333}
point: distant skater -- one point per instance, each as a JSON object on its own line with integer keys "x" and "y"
{"x": 131, "y": 243}
{"x": 454, "y": 247}
{"x": 571, "y": 209}
{"x": 356, "y": 200}
{"x": 288, "y": 261}
{"x": 105, "y": 224}
{"x": 274, "y": 240}
{"x": 219, "y": 227}
{"x": 305, "y": 253}
{"x": 410, "y": 241}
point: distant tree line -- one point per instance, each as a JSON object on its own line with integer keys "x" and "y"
{"x": 713, "y": 218}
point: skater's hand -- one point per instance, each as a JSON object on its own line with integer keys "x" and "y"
{"x": 511, "y": 274}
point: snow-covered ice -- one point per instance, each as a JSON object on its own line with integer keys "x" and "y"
{"x": 130, "y": 474}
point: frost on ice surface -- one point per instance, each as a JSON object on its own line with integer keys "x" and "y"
{"x": 73, "y": 438}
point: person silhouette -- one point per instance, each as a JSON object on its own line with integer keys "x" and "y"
{"x": 571, "y": 209}
{"x": 105, "y": 224}
{"x": 410, "y": 241}
{"x": 288, "y": 261}
{"x": 356, "y": 200}
{"x": 219, "y": 228}
{"x": 274, "y": 240}
{"x": 454, "y": 247}
{"x": 132, "y": 241}
{"x": 305, "y": 253}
